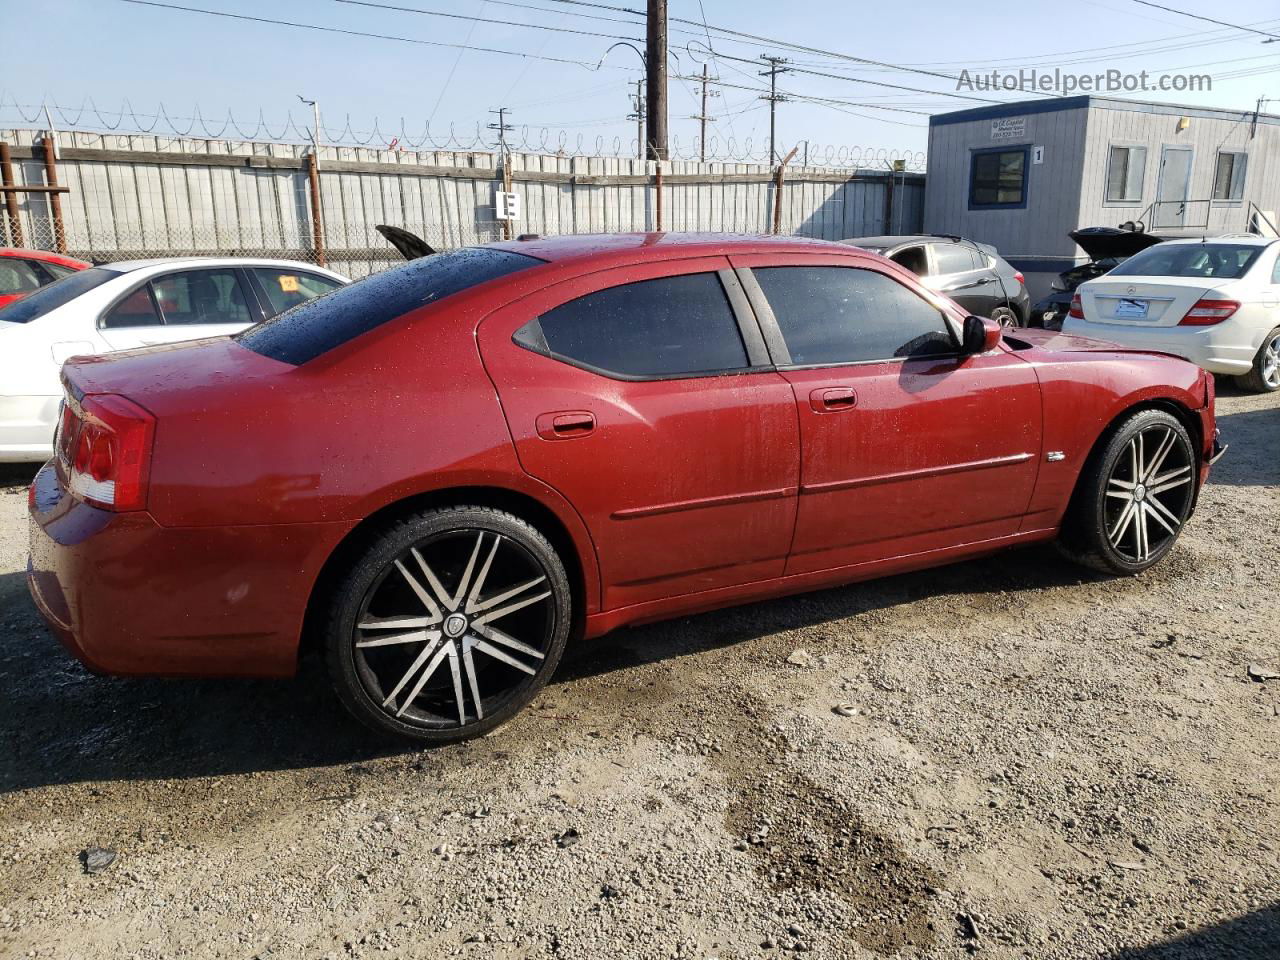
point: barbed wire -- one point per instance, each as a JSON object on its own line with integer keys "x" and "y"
{"x": 88, "y": 117}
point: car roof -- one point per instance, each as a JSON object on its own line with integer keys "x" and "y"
{"x": 1241, "y": 239}
{"x": 44, "y": 255}
{"x": 895, "y": 241}
{"x": 128, "y": 266}
{"x": 658, "y": 245}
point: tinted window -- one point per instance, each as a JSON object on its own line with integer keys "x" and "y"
{"x": 288, "y": 288}
{"x": 669, "y": 326}
{"x": 17, "y": 276}
{"x": 36, "y": 305}
{"x": 955, "y": 258}
{"x": 1223, "y": 260}
{"x": 998, "y": 178}
{"x": 138, "y": 309}
{"x": 845, "y": 315}
{"x": 201, "y": 297}
{"x": 319, "y": 325}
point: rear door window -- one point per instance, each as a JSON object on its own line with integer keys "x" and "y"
{"x": 288, "y": 288}
{"x": 17, "y": 276}
{"x": 664, "y": 327}
{"x": 831, "y": 315}
{"x": 317, "y": 326}
{"x": 955, "y": 258}
{"x": 201, "y": 297}
{"x": 138, "y": 309}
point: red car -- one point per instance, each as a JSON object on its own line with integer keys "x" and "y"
{"x": 441, "y": 473}
{"x": 25, "y": 271}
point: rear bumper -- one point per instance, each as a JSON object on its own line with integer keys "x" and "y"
{"x": 1218, "y": 349}
{"x": 128, "y": 596}
{"x": 27, "y": 424}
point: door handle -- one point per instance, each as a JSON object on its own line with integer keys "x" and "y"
{"x": 833, "y": 399}
{"x": 565, "y": 424}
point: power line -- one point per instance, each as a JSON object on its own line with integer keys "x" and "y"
{"x": 1221, "y": 23}
{"x": 360, "y": 33}
{"x": 462, "y": 16}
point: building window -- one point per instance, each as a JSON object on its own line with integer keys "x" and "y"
{"x": 1228, "y": 178}
{"x": 1124, "y": 174}
{"x": 998, "y": 178}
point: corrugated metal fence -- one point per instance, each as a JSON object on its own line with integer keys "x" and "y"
{"x": 130, "y": 196}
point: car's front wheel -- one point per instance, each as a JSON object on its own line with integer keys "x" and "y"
{"x": 448, "y": 623}
{"x": 1134, "y": 495}
{"x": 1265, "y": 375}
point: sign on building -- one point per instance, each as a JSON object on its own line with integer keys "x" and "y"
{"x": 1009, "y": 128}
{"x": 506, "y": 206}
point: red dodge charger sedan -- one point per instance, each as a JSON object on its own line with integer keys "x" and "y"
{"x": 439, "y": 474}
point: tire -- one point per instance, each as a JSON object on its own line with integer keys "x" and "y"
{"x": 410, "y": 639}
{"x": 1265, "y": 375}
{"x": 1121, "y": 524}
{"x": 1007, "y": 317}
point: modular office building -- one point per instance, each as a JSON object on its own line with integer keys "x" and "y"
{"x": 1022, "y": 176}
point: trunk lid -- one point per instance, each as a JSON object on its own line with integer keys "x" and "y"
{"x": 170, "y": 377}
{"x": 1101, "y": 243}
{"x": 1141, "y": 301}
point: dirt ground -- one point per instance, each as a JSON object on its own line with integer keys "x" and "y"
{"x": 1036, "y": 762}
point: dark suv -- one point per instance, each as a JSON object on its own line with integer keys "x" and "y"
{"x": 972, "y": 274}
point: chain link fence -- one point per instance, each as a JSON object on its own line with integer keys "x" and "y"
{"x": 352, "y": 250}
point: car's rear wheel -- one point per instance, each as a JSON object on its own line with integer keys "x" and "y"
{"x": 448, "y": 624}
{"x": 1265, "y": 375}
{"x": 1007, "y": 317}
{"x": 1134, "y": 495}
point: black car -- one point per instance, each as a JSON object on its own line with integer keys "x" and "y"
{"x": 972, "y": 274}
{"x": 1106, "y": 248}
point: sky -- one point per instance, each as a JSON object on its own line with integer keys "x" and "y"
{"x": 170, "y": 61}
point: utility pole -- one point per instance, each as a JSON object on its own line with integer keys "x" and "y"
{"x": 502, "y": 127}
{"x": 703, "y": 118}
{"x": 313, "y": 181}
{"x": 775, "y": 67}
{"x": 637, "y": 114}
{"x": 656, "y": 75}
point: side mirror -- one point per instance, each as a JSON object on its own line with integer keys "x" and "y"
{"x": 981, "y": 335}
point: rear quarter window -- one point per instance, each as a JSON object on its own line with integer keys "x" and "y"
{"x": 60, "y": 292}
{"x": 318, "y": 326}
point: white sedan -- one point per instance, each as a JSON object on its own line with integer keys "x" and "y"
{"x": 1214, "y": 301}
{"x": 131, "y": 304}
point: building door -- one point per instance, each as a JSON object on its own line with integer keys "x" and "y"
{"x": 1172, "y": 191}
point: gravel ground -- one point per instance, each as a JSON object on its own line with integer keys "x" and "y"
{"x": 1006, "y": 757}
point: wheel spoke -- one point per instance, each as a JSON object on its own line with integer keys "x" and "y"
{"x": 1139, "y": 458}
{"x": 1164, "y": 515}
{"x": 469, "y": 663}
{"x": 465, "y": 581}
{"x": 420, "y": 591}
{"x": 396, "y": 623}
{"x": 1141, "y": 533}
{"x": 1170, "y": 481}
{"x": 485, "y": 647}
{"x": 491, "y": 602}
{"x": 413, "y": 668}
{"x": 442, "y": 595}
{"x": 484, "y": 571}
{"x": 1162, "y": 451}
{"x": 497, "y": 636}
{"x": 1121, "y": 484}
{"x": 457, "y": 685}
{"x": 510, "y": 608}
{"x": 413, "y": 636}
{"x": 1122, "y": 523}
{"x": 1120, "y": 494}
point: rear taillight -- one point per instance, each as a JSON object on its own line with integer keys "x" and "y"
{"x": 1077, "y": 309}
{"x": 104, "y": 445}
{"x": 1017, "y": 275}
{"x": 1208, "y": 312}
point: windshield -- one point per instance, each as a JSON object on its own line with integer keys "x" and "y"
{"x": 1227, "y": 261}
{"x": 37, "y": 304}
{"x": 317, "y": 326}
